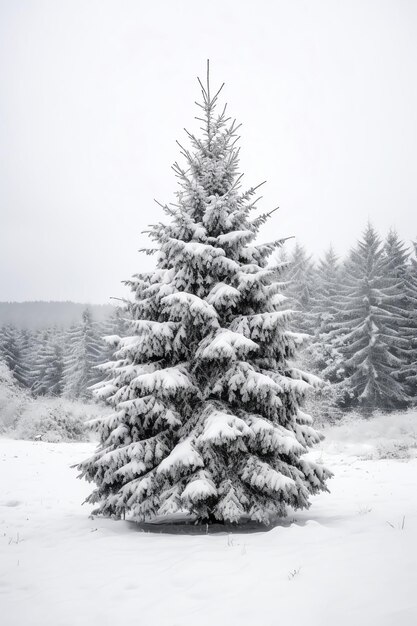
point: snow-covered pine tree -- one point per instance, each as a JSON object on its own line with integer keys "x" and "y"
{"x": 396, "y": 257}
{"x": 49, "y": 363}
{"x": 114, "y": 325}
{"x": 325, "y": 301}
{"x": 8, "y": 345}
{"x": 367, "y": 329}
{"x": 323, "y": 355}
{"x": 301, "y": 276}
{"x": 207, "y": 414}
{"x": 83, "y": 352}
{"x": 25, "y": 370}
{"x": 409, "y": 370}
{"x": 13, "y": 351}
{"x": 40, "y": 360}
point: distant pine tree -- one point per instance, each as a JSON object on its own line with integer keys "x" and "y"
{"x": 325, "y": 300}
{"x": 409, "y": 370}
{"x": 368, "y": 326}
{"x": 323, "y": 354}
{"x": 396, "y": 257}
{"x": 24, "y": 371}
{"x": 113, "y": 327}
{"x": 8, "y": 345}
{"x": 49, "y": 363}
{"x": 40, "y": 359}
{"x": 83, "y": 353}
{"x": 14, "y": 353}
{"x": 207, "y": 416}
{"x": 301, "y": 277}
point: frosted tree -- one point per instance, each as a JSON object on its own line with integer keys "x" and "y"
{"x": 207, "y": 419}
{"x": 409, "y": 370}
{"x": 83, "y": 352}
{"x": 114, "y": 325}
{"x": 369, "y": 321}
{"x": 396, "y": 270}
{"x": 24, "y": 371}
{"x": 325, "y": 301}
{"x": 49, "y": 363}
{"x": 396, "y": 258}
{"x": 323, "y": 354}
{"x": 40, "y": 360}
{"x": 301, "y": 276}
{"x": 15, "y": 352}
{"x": 8, "y": 345}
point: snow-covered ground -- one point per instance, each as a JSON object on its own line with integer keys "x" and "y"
{"x": 350, "y": 560}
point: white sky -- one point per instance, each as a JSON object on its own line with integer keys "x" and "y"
{"x": 93, "y": 95}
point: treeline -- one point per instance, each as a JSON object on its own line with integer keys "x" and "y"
{"x": 361, "y": 315}
{"x": 56, "y": 361}
{"x": 35, "y": 315}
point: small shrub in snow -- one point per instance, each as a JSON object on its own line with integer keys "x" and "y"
{"x": 322, "y": 405}
{"x": 383, "y": 436}
{"x": 47, "y": 418}
{"x": 394, "y": 450}
{"x": 50, "y": 421}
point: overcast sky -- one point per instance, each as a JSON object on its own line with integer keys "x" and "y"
{"x": 95, "y": 93}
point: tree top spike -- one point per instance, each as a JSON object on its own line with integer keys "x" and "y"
{"x": 208, "y": 79}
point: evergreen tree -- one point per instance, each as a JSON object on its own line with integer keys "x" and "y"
{"x": 8, "y": 345}
{"x": 396, "y": 265}
{"x": 49, "y": 363}
{"x": 40, "y": 360}
{"x": 55, "y": 370}
{"x": 323, "y": 355}
{"x": 409, "y": 370}
{"x": 300, "y": 290}
{"x": 325, "y": 301}
{"x": 24, "y": 371}
{"x": 13, "y": 352}
{"x": 396, "y": 261}
{"x": 83, "y": 354}
{"x": 207, "y": 414}
{"x": 367, "y": 328}
{"x": 110, "y": 330}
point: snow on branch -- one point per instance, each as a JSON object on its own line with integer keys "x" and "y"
{"x": 226, "y": 345}
{"x": 184, "y": 455}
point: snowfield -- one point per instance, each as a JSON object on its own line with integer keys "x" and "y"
{"x": 350, "y": 560}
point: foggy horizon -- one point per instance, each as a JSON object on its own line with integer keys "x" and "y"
{"x": 95, "y": 95}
